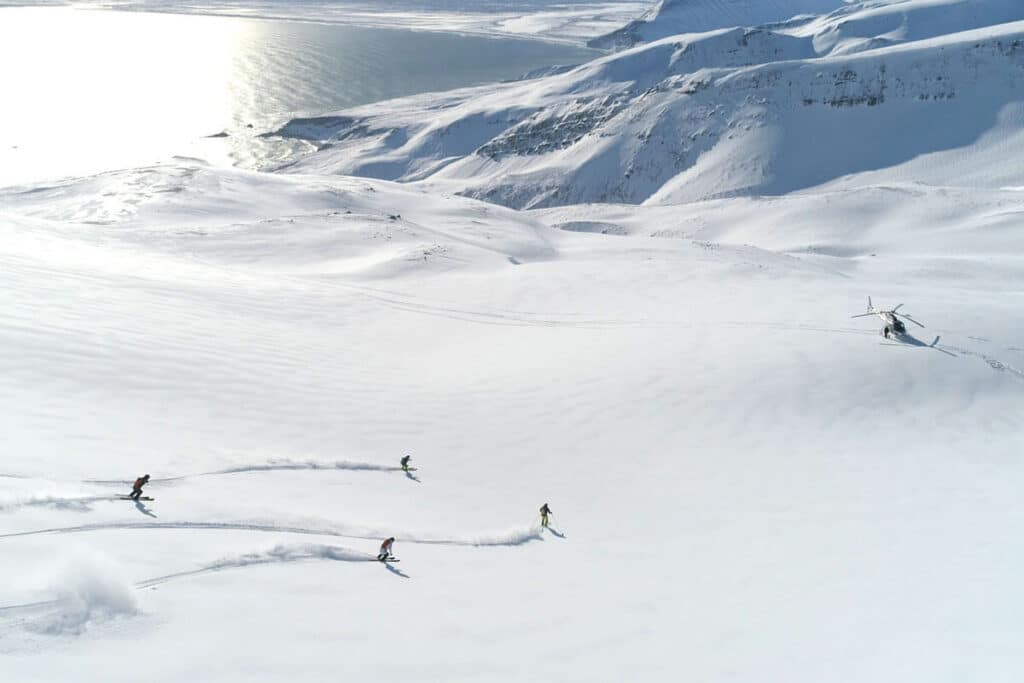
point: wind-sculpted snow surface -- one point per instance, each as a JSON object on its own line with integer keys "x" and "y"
{"x": 869, "y": 25}
{"x": 725, "y": 113}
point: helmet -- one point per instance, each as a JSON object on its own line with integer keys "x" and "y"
{"x": 392, "y": 538}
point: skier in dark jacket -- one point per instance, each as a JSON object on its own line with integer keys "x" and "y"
{"x": 405, "y": 462}
{"x": 137, "y": 486}
{"x": 544, "y": 512}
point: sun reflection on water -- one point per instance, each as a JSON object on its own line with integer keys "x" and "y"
{"x": 85, "y": 90}
{"x": 78, "y": 83}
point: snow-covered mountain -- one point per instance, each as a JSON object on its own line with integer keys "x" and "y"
{"x": 672, "y": 17}
{"x": 727, "y": 112}
{"x": 872, "y": 23}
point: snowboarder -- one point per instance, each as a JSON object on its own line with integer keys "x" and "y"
{"x": 544, "y": 512}
{"x": 385, "y": 549}
{"x": 137, "y": 486}
{"x": 405, "y": 462}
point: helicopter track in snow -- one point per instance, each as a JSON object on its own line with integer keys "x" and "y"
{"x": 961, "y": 352}
{"x": 496, "y": 317}
{"x": 502, "y": 317}
{"x": 994, "y": 363}
{"x": 525, "y": 318}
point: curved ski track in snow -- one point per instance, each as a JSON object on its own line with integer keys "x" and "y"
{"x": 278, "y": 554}
{"x": 269, "y": 466}
{"x": 82, "y": 503}
{"x": 75, "y": 503}
{"x": 281, "y": 553}
{"x": 509, "y": 538}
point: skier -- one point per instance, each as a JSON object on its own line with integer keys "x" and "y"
{"x": 385, "y": 549}
{"x": 137, "y": 486}
{"x": 544, "y": 512}
{"x": 405, "y": 462}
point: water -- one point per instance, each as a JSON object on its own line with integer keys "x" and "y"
{"x": 84, "y": 91}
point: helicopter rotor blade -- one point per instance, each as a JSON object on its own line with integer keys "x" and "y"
{"x": 896, "y": 309}
{"x": 906, "y": 316}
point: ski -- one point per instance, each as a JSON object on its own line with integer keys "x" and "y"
{"x": 130, "y": 498}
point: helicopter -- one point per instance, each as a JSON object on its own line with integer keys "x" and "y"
{"x": 893, "y": 323}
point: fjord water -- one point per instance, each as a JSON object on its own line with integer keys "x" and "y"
{"x": 85, "y": 91}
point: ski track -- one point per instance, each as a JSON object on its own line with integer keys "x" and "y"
{"x": 75, "y": 503}
{"x": 271, "y": 466}
{"x": 279, "y": 554}
{"x": 83, "y": 503}
{"x": 510, "y": 538}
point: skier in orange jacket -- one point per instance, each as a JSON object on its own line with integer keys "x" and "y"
{"x": 385, "y": 549}
{"x": 137, "y": 486}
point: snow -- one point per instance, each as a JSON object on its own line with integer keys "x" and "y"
{"x": 746, "y": 484}
{"x": 673, "y": 17}
{"x": 742, "y": 474}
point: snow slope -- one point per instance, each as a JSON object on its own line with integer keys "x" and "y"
{"x": 724, "y": 113}
{"x": 743, "y": 479}
{"x": 747, "y": 484}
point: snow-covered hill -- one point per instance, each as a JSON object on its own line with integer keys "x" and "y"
{"x": 724, "y": 113}
{"x": 331, "y": 225}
